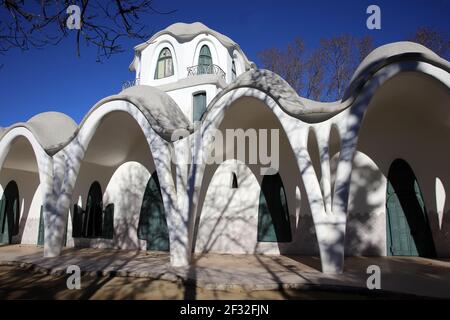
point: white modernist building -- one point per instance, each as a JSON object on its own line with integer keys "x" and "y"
{"x": 367, "y": 175}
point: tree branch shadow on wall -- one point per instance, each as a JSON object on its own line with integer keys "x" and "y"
{"x": 352, "y": 227}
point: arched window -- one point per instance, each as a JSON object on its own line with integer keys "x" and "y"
{"x": 233, "y": 70}
{"x": 92, "y": 224}
{"x": 273, "y": 214}
{"x": 164, "y": 67}
{"x": 205, "y": 61}
{"x": 152, "y": 225}
{"x": 9, "y": 213}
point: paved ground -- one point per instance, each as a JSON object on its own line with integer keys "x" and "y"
{"x": 22, "y": 283}
{"x": 128, "y": 273}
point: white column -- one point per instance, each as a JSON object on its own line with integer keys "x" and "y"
{"x": 177, "y": 221}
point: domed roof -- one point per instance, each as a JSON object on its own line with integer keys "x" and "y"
{"x": 184, "y": 32}
{"x": 161, "y": 111}
{"x": 53, "y": 130}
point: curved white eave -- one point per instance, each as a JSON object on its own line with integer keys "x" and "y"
{"x": 40, "y": 154}
{"x": 384, "y": 62}
{"x": 160, "y": 110}
{"x": 165, "y": 116}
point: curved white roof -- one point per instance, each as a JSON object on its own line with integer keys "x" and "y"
{"x": 313, "y": 111}
{"x": 52, "y": 130}
{"x": 383, "y": 55}
{"x": 161, "y": 111}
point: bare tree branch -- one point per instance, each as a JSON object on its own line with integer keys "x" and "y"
{"x": 104, "y": 24}
{"x": 433, "y": 39}
{"x": 288, "y": 64}
{"x": 322, "y": 74}
{"x": 314, "y": 75}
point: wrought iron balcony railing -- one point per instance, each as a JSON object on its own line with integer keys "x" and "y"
{"x": 130, "y": 83}
{"x": 206, "y": 69}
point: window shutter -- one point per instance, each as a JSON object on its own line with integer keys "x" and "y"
{"x": 199, "y": 106}
{"x": 273, "y": 215}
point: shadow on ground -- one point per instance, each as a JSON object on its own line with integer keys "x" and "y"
{"x": 25, "y": 283}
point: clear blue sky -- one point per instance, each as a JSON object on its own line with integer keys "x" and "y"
{"x": 55, "y": 79}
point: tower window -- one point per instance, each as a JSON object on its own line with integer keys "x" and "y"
{"x": 205, "y": 61}
{"x": 199, "y": 106}
{"x": 164, "y": 67}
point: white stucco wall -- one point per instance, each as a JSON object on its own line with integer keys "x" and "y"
{"x": 366, "y": 220}
{"x": 126, "y": 191}
{"x": 184, "y": 55}
{"x": 184, "y": 97}
{"x": 231, "y": 226}
{"x": 397, "y": 126}
{"x": 229, "y": 219}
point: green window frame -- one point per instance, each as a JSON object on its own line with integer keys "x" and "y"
{"x": 205, "y": 61}
{"x": 164, "y": 66}
{"x": 198, "y": 105}
{"x": 152, "y": 225}
{"x": 273, "y": 214}
{"x": 408, "y": 232}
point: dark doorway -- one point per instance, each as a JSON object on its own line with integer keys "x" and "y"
{"x": 408, "y": 231}
{"x": 92, "y": 225}
{"x": 273, "y": 214}
{"x": 9, "y": 213}
{"x": 152, "y": 219}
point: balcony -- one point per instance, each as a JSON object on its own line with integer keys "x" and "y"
{"x": 130, "y": 83}
{"x": 206, "y": 69}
